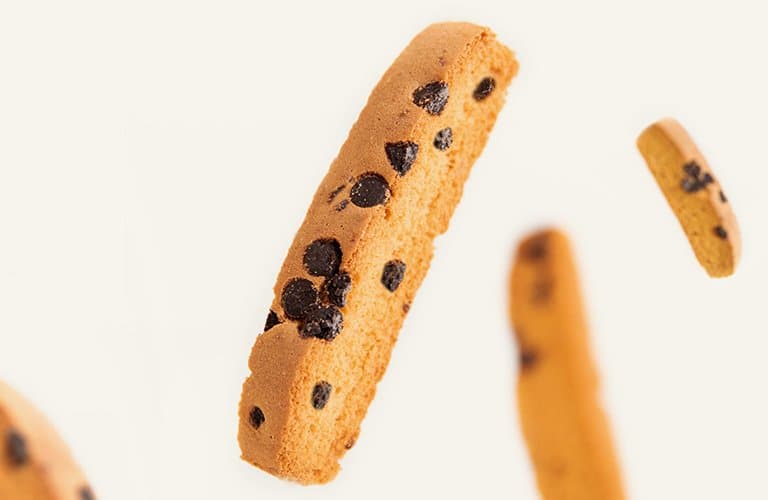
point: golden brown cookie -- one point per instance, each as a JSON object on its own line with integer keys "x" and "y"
{"x": 694, "y": 194}
{"x": 364, "y": 248}
{"x": 35, "y": 463}
{"x": 564, "y": 425}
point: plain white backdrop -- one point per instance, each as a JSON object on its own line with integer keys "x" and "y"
{"x": 156, "y": 158}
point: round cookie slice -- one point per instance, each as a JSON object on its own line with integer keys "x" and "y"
{"x": 364, "y": 247}
{"x": 35, "y": 464}
{"x": 695, "y": 195}
{"x": 563, "y": 422}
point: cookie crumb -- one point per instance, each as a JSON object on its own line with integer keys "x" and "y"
{"x": 406, "y": 307}
{"x": 342, "y": 205}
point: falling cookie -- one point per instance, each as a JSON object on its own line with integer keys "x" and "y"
{"x": 695, "y": 195}
{"x": 564, "y": 425}
{"x": 364, "y": 248}
{"x": 35, "y": 464}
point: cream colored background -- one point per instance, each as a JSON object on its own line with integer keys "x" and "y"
{"x": 156, "y": 158}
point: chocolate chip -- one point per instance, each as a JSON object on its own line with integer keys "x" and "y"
{"x": 692, "y": 168}
{"x": 393, "y": 274}
{"x": 369, "y": 190}
{"x": 256, "y": 417}
{"x": 323, "y": 257}
{"x": 401, "y": 155}
{"x": 528, "y": 358}
{"x": 16, "y": 448}
{"x": 691, "y": 185}
{"x": 432, "y": 97}
{"x": 320, "y": 395}
{"x": 536, "y": 248}
{"x": 299, "y": 295}
{"x": 335, "y": 290}
{"x": 723, "y": 198}
{"x": 272, "y": 320}
{"x": 323, "y": 322}
{"x": 443, "y": 139}
{"x": 721, "y": 233}
{"x": 335, "y": 193}
{"x": 342, "y": 205}
{"x": 707, "y": 179}
{"x": 86, "y": 493}
{"x": 484, "y": 88}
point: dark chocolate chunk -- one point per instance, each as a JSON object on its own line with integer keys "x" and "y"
{"x": 320, "y": 395}
{"x": 723, "y": 198}
{"x": 691, "y": 185}
{"x": 342, "y": 205}
{"x": 401, "y": 155}
{"x": 528, "y": 358}
{"x": 432, "y": 97}
{"x": 335, "y": 193}
{"x": 299, "y": 295}
{"x": 692, "y": 169}
{"x": 370, "y": 190}
{"x": 443, "y": 139}
{"x": 536, "y": 249}
{"x": 323, "y": 322}
{"x": 393, "y": 274}
{"x": 323, "y": 257}
{"x": 86, "y": 493}
{"x": 337, "y": 287}
{"x": 721, "y": 233}
{"x": 272, "y": 320}
{"x": 256, "y": 417}
{"x": 16, "y": 448}
{"x": 484, "y": 88}
{"x": 707, "y": 179}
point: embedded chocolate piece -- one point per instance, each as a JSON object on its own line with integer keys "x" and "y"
{"x": 401, "y": 155}
{"x": 16, "y": 448}
{"x": 443, "y": 139}
{"x": 723, "y": 198}
{"x": 484, "y": 88}
{"x": 692, "y": 169}
{"x": 369, "y": 190}
{"x": 432, "y": 97}
{"x": 536, "y": 248}
{"x": 323, "y": 322}
{"x": 528, "y": 358}
{"x": 323, "y": 257}
{"x": 320, "y": 395}
{"x": 694, "y": 180}
{"x": 342, "y": 205}
{"x": 721, "y": 233}
{"x": 335, "y": 290}
{"x": 299, "y": 295}
{"x": 86, "y": 493}
{"x": 272, "y": 320}
{"x": 406, "y": 307}
{"x": 393, "y": 274}
{"x": 256, "y": 417}
{"x": 335, "y": 193}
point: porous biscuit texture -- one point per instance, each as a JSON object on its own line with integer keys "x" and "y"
{"x": 35, "y": 464}
{"x": 564, "y": 425}
{"x": 695, "y": 195}
{"x": 391, "y": 190}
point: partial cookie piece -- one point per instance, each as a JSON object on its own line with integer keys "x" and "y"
{"x": 564, "y": 425}
{"x": 364, "y": 248}
{"x": 35, "y": 464}
{"x": 694, "y": 194}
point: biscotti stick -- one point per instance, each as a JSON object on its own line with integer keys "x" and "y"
{"x": 35, "y": 464}
{"x": 364, "y": 248}
{"x": 694, "y": 195}
{"x": 564, "y": 425}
